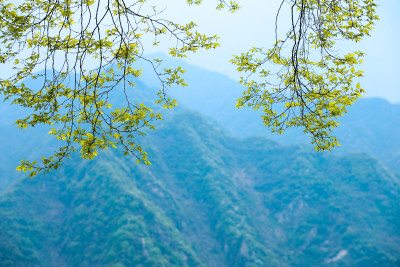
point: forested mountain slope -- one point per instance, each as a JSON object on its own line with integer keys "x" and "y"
{"x": 208, "y": 200}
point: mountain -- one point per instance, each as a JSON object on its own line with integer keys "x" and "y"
{"x": 208, "y": 199}
{"x": 371, "y": 126}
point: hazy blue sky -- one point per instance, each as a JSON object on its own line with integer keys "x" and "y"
{"x": 253, "y": 25}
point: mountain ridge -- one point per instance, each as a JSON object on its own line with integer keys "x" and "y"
{"x": 208, "y": 200}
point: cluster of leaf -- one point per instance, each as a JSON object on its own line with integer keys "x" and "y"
{"x": 65, "y": 38}
{"x": 302, "y": 81}
{"x": 232, "y": 6}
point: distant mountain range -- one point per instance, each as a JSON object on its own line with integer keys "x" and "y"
{"x": 371, "y": 126}
{"x": 208, "y": 199}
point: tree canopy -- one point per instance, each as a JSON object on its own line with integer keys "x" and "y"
{"x": 303, "y": 80}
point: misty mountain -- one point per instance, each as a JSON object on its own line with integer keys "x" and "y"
{"x": 208, "y": 199}
{"x": 372, "y": 125}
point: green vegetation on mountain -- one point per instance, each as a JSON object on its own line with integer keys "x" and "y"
{"x": 208, "y": 199}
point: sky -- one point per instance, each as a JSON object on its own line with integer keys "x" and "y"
{"x": 253, "y": 25}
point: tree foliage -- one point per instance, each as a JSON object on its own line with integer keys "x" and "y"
{"x": 302, "y": 74}
{"x": 303, "y": 81}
